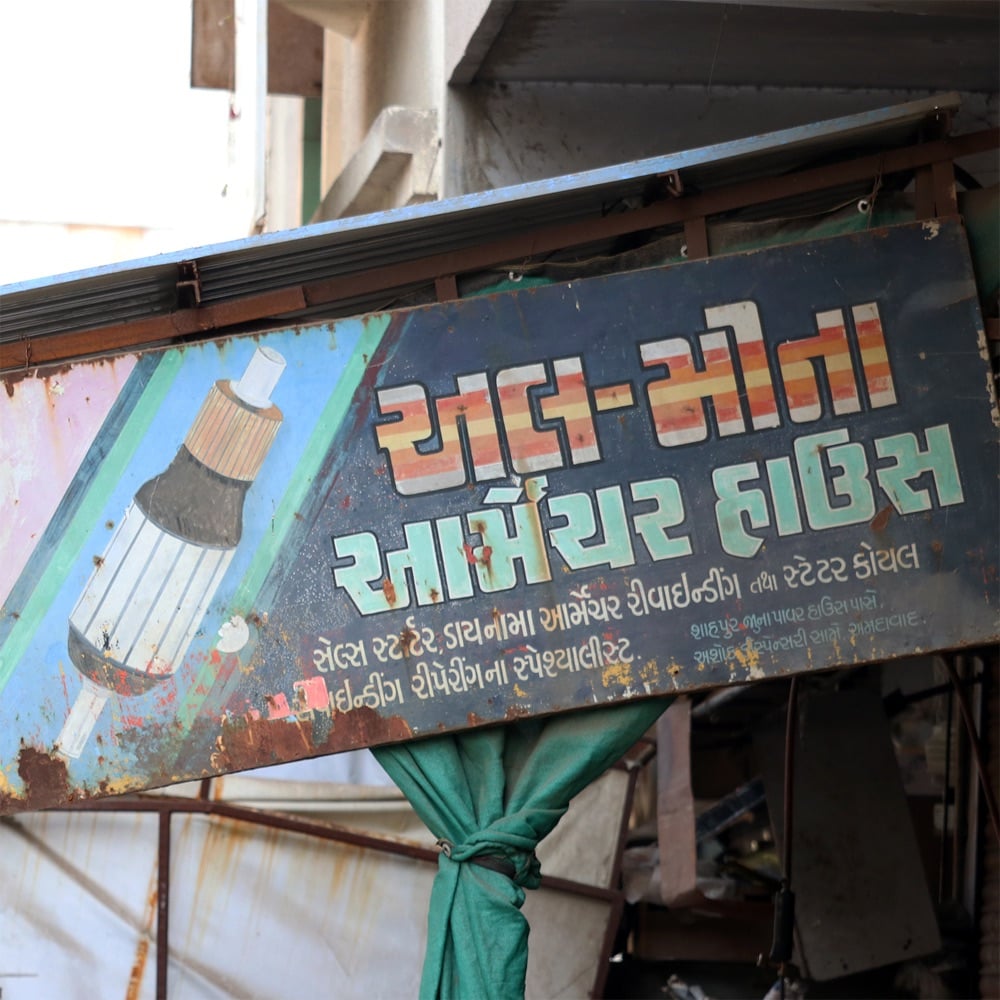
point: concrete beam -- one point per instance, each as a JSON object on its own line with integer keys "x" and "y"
{"x": 341, "y": 16}
{"x": 470, "y": 27}
{"x": 395, "y": 165}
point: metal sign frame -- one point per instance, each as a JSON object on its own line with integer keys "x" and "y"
{"x": 326, "y": 537}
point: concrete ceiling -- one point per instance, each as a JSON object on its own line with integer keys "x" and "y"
{"x": 894, "y": 44}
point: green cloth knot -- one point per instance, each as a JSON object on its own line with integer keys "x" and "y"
{"x": 521, "y": 866}
{"x": 497, "y": 792}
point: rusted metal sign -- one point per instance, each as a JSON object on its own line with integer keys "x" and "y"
{"x": 259, "y": 549}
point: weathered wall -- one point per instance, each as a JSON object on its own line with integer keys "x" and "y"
{"x": 497, "y": 135}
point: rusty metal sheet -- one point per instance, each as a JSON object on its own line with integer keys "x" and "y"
{"x": 314, "y": 539}
{"x": 849, "y": 802}
{"x": 82, "y": 888}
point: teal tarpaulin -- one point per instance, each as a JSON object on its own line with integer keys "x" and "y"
{"x": 498, "y": 792}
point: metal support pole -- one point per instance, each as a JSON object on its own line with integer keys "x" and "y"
{"x": 163, "y": 906}
{"x": 977, "y": 748}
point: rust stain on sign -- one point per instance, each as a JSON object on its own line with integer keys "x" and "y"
{"x": 621, "y": 487}
{"x": 45, "y": 777}
{"x": 881, "y": 520}
{"x": 242, "y": 745}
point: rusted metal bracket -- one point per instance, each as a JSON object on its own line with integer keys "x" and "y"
{"x": 675, "y": 185}
{"x": 188, "y": 285}
{"x": 945, "y": 197}
{"x": 445, "y": 287}
{"x": 696, "y": 238}
{"x": 151, "y": 331}
{"x": 934, "y": 190}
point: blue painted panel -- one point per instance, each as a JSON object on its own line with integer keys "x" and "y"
{"x": 520, "y": 504}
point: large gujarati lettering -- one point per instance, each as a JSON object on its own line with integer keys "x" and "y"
{"x": 500, "y": 551}
{"x": 417, "y": 560}
{"x": 797, "y": 360}
{"x": 526, "y": 419}
{"x": 827, "y": 482}
{"x": 830, "y": 349}
{"x": 529, "y": 418}
{"x": 874, "y": 356}
{"x": 911, "y": 462}
{"x": 614, "y": 549}
{"x": 843, "y": 497}
{"x": 669, "y": 513}
{"x": 508, "y": 542}
{"x": 831, "y": 478}
{"x": 677, "y": 402}
{"x": 457, "y": 440}
{"x": 535, "y": 450}
{"x": 744, "y": 319}
{"x": 427, "y": 455}
{"x": 734, "y": 504}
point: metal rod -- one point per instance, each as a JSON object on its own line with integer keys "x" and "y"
{"x": 782, "y": 945}
{"x": 623, "y": 827}
{"x": 789, "y": 791}
{"x": 163, "y": 907}
{"x": 607, "y": 945}
{"x": 977, "y": 749}
{"x": 960, "y": 802}
{"x": 946, "y": 795}
{"x": 291, "y": 824}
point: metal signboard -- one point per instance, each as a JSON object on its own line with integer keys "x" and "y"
{"x": 224, "y": 555}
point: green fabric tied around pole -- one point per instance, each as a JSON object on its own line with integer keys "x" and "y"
{"x": 498, "y": 792}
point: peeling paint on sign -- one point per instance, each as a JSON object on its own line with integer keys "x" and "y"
{"x": 327, "y": 537}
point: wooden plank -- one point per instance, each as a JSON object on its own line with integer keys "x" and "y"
{"x": 675, "y": 807}
{"x": 294, "y": 49}
{"x": 213, "y": 44}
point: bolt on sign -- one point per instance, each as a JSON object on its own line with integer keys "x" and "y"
{"x": 230, "y": 554}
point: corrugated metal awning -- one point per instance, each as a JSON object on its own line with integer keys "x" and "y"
{"x": 339, "y": 253}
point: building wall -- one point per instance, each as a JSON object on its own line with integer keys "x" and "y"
{"x": 402, "y": 55}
